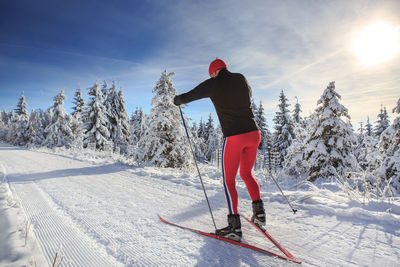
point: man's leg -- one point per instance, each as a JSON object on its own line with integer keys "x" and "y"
{"x": 247, "y": 159}
{"x": 230, "y": 165}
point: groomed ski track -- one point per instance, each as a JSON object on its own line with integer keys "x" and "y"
{"x": 106, "y": 215}
{"x": 97, "y": 212}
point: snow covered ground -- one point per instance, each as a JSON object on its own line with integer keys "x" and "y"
{"x": 92, "y": 210}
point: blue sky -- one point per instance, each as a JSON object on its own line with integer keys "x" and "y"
{"x": 297, "y": 46}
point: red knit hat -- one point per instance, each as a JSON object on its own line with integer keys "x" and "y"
{"x": 216, "y": 65}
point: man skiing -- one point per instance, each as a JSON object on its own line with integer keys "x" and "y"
{"x": 230, "y": 94}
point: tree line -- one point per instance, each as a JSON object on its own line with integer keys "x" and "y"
{"x": 321, "y": 145}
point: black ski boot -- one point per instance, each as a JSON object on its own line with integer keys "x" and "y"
{"x": 258, "y": 217}
{"x": 233, "y": 230}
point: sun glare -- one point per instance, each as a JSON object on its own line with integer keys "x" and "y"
{"x": 378, "y": 42}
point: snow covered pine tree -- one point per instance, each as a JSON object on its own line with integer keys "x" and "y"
{"x": 35, "y": 129}
{"x": 20, "y": 134}
{"x": 95, "y": 119}
{"x": 284, "y": 133}
{"x": 59, "y": 132}
{"x": 164, "y": 141}
{"x": 77, "y": 119}
{"x": 262, "y": 124}
{"x": 118, "y": 125}
{"x": 390, "y": 148}
{"x": 79, "y": 104}
{"x": 329, "y": 147}
{"x": 382, "y": 123}
{"x": 137, "y": 125}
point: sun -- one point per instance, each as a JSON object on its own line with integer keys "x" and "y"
{"x": 376, "y": 43}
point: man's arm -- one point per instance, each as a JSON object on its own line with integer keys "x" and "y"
{"x": 203, "y": 90}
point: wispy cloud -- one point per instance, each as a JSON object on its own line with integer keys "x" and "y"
{"x": 297, "y": 46}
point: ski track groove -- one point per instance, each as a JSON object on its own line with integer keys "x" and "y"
{"x": 53, "y": 233}
{"x": 128, "y": 252}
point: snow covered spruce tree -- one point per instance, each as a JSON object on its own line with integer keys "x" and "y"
{"x": 214, "y": 141}
{"x": 79, "y": 104}
{"x": 259, "y": 116}
{"x": 201, "y": 131}
{"x": 202, "y": 138}
{"x": 284, "y": 133}
{"x": 390, "y": 148}
{"x": 136, "y": 125}
{"x": 294, "y": 163}
{"x": 20, "y": 127}
{"x": 197, "y": 142}
{"x": 35, "y": 129}
{"x": 12, "y": 133}
{"x": 22, "y": 135}
{"x": 296, "y": 112}
{"x": 211, "y": 137}
{"x": 95, "y": 119}
{"x": 21, "y": 109}
{"x": 58, "y": 132}
{"x": 164, "y": 142}
{"x": 329, "y": 147}
{"x": 77, "y": 119}
{"x": 366, "y": 151}
{"x": 368, "y": 128}
{"x": 382, "y": 123}
{"x": 3, "y": 125}
{"x": 5, "y": 117}
{"x": 118, "y": 121}
{"x": 105, "y": 91}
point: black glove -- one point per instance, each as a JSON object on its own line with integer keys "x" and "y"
{"x": 177, "y": 101}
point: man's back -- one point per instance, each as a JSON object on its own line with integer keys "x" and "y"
{"x": 231, "y": 99}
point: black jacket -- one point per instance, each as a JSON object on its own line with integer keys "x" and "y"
{"x": 230, "y": 94}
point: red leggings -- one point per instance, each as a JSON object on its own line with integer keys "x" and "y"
{"x": 240, "y": 150}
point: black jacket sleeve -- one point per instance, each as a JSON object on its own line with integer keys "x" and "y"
{"x": 203, "y": 90}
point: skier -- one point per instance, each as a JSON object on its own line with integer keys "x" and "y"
{"x": 230, "y": 94}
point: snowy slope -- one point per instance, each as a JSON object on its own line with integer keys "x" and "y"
{"x": 95, "y": 211}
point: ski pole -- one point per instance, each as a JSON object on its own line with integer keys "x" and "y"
{"x": 287, "y": 200}
{"x": 197, "y": 167}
